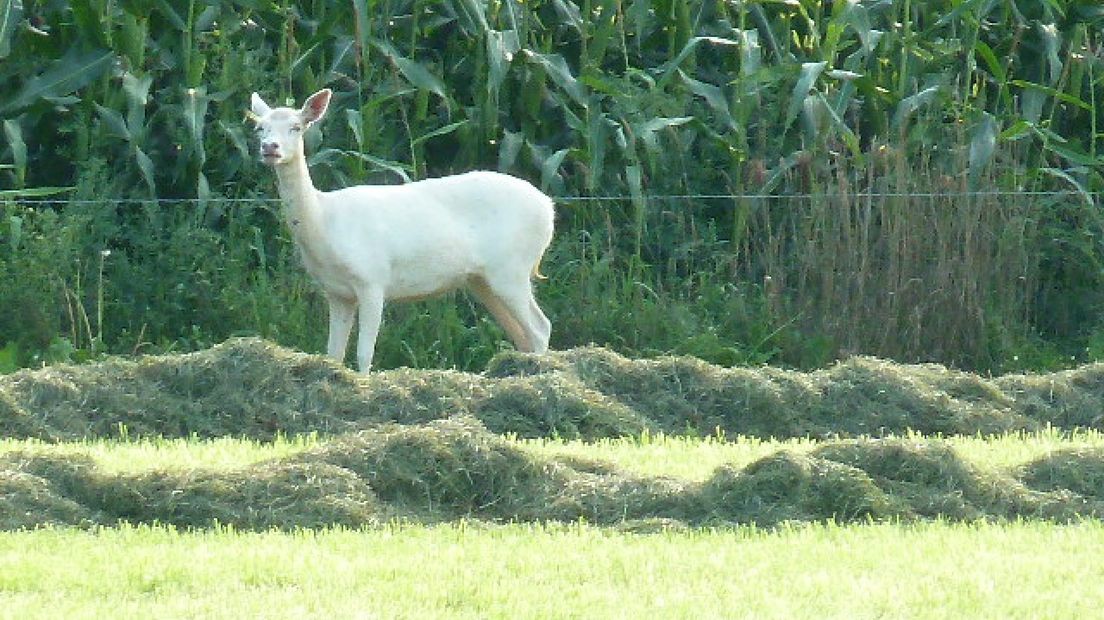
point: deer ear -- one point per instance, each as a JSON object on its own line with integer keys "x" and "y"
{"x": 315, "y": 106}
{"x": 259, "y": 107}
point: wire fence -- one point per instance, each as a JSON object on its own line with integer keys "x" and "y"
{"x": 1094, "y": 196}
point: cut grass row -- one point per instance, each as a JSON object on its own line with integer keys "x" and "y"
{"x": 149, "y": 441}
{"x": 687, "y": 458}
{"x": 253, "y": 388}
{"x": 463, "y": 570}
{"x": 454, "y": 469}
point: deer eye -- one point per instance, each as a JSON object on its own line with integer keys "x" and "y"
{"x": 296, "y": 128}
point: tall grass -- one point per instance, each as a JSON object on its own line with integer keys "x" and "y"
{"x": 943, "y": 277}
{"x": 829, "y": 111}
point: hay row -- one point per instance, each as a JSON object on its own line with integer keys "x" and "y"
{"x": 457, "y": 469}
{"x": 252, "y": 388}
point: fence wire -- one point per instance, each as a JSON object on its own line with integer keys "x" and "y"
{"x": 592, "y": 199}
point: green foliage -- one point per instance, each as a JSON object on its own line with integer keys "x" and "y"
{"x": 593, "y": 98}
{"x": 596, "y": 88}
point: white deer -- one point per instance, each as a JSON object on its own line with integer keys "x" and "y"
{"x": 374, "y": 243}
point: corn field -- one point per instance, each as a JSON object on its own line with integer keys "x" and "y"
{"x": 917, "y": 180}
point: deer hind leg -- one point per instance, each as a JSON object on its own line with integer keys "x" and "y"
{"x": 510, "y": 300}
{"x": 541, "y": 323}
{"x": 501, "y": 312}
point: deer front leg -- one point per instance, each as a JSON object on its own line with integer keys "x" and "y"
{"x": 342, "y": 314}
{"x": 371, "y": 314}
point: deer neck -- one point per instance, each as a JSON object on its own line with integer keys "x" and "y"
{"x": 301, "y": 207}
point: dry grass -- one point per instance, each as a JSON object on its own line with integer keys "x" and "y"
{"x": 252, "y": 388}
{"x": 452, "y": 469}
{"x": 430, "y": 446}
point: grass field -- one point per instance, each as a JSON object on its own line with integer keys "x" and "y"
{"x": 459, "y": 570}
{"x": 252, "y": 481}
{"x": 476, "y": 569}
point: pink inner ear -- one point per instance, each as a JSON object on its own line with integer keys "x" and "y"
{"x": 316, "y": 106}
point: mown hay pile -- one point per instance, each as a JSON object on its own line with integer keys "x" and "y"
{"x": 456, "y": 468}
{"x": 429, "y": 445}
{"x": 252, "y": 388}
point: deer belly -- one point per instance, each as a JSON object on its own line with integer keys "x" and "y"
{"x": 332, "y": 278}
{"x": 420, "y": 286}
{"x": 427, "y": 276}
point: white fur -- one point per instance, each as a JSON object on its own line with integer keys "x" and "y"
{"x": 369, "y": 244}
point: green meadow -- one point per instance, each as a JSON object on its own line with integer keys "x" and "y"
{"x": 248, "y": 480}
{"x": 460, "y": 570}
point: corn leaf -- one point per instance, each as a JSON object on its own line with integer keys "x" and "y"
{"x": 137, "y": 93}
{"x": 502, "y": 46}
{"x": 1017, "y": 131}
{"x": 195, "y": 107}
{"x": 713, "y": 96}
{"x": 1057, "y": 94}
{"x": 859, "y": 18}
{"x": 1063, "y": 149}
{"x": 569, "y": 13}
{"x": 778, "y": 174}
{"x": 145, "y": 166}
{"x": 14, "y": 134}
{"x": 910, "y": 104}
{"x": 236, "y": 137}
{"x": 810, "y": 71}
{"x": 33, "y": 192}
{"x": 413, "y": 72}
{"x": 983, "y": 142}
{"x": 113, "y": 121}
{"x": 842, "y": 129}
{"x": 137, "y": 88}
{"x": 557, "y": 69}
{"x": 508, "y": 150}
{"x": 996, "y": 69}
{"x": 396, "y": 168}
{"x": 751, "y": 53}
{"x": 447, "y": 129}
{"x": 550, "y": 167}
{"x": 361, "y": 28}
{"x": 1068, "y": 178}
{"x": 69, "y": 73}
{"x": 174, "y": 18}
{"x": 634, "y": 178}
{"x": 1051, "y": 43}
{"x": 355, "y": 122}
{"x": 88, "y": 19}
{"x": 668, "y": 69}
{"x": 11, "y": 11}
{"x": 203, "y": 191}
{"x": 476, "y": 13}
{"x": 639, "y": 15}
{"x": 597, "y": 138}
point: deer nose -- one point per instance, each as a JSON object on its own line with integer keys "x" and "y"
{"x": 270, "y": 148}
